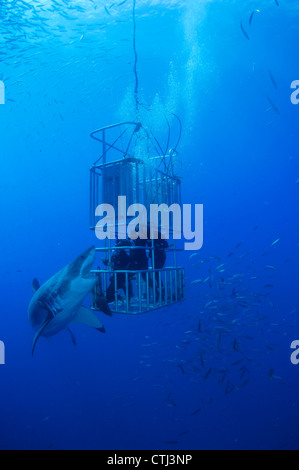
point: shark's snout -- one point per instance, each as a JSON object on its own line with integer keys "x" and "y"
{"x": 87, "y": 259}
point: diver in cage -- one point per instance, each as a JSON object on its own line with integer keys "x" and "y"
{"x": 160, "y": 245}
{"x": 140, "y": 260}
{"x": 120, "y": 261}
{"x": 158, "y": 258}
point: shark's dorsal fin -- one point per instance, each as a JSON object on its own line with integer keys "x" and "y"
{"x": 72, "y": 336}
{"x": 35, "y": 285}
{"x": 86, "y": 317}
{"x": 39, "y": 333}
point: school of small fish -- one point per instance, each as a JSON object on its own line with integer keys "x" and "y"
{"x": 273, "y": 106}
{"x": 230, "y": 333}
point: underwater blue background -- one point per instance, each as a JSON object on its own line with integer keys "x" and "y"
{"x": 161, "y": 380}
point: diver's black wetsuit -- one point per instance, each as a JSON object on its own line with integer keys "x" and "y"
{"x": 160, "y": 245}
{"x": 140, "y": 261}
{"x": 138, "y": 258}
{"x": 120, "y": 261}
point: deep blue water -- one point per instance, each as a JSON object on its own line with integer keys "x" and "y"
{"x": 68, "y": 69}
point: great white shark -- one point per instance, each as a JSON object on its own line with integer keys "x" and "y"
{"x": 58, "y": 301}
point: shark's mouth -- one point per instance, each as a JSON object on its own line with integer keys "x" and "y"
{"x": 39, "y": 316}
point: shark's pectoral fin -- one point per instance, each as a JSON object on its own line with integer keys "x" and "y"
{"x": 39, "y": 333}
{"x": 86, "y": 317}
{"x": 35, "y": 285}
{"x": 72, "y": 337}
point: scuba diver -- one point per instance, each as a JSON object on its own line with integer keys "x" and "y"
{"x": 120, "y": 261}
{"x": 160, "y": 246}
{"x": 139, "y": 258}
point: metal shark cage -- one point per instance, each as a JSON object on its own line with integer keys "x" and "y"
{"x": 133, "y": 164}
